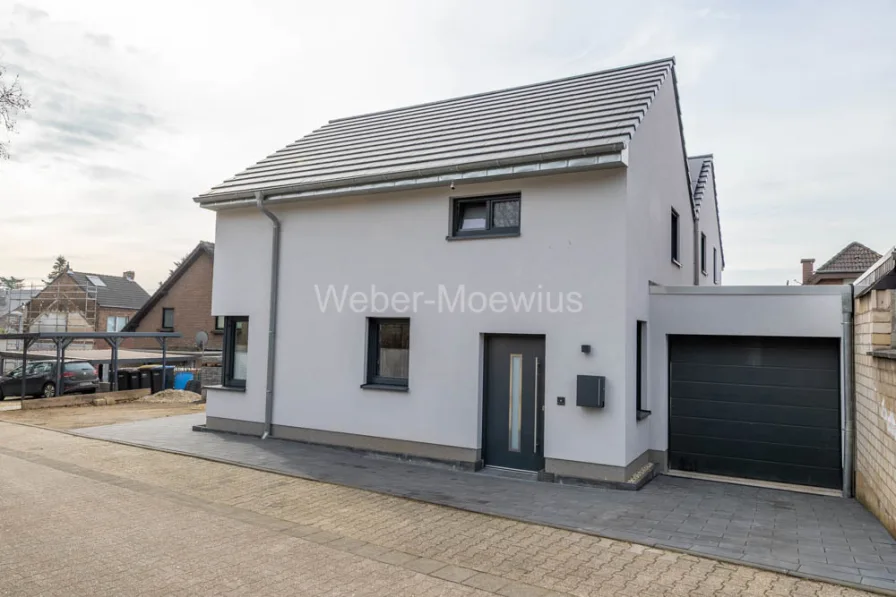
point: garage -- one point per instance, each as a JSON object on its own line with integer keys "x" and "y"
{"x": 763, "y": 408}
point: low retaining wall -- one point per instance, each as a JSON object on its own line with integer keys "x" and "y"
{"x": 86, "y": 399}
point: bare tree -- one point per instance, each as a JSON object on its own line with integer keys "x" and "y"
{"x": 12, "y": 101}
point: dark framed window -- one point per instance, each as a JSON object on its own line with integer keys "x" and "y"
{"x": 676, "y": 245}
{"x": 497, "y": 215}
{"x": 703, "y": 253}
{"x": 236, "y": 351}
{"x": 388, "y": 352}
{"x": 715, "y": 266}
{"x": 219, "y": 323}
{"x": 167, "y": 318}
{"x": 640, "y": 344}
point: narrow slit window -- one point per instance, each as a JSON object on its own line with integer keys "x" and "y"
{"x": 516, "y": 402}
{"x": 674, "y": 233}
{"x": 703, "y": 253}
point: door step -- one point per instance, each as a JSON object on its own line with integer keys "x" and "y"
{"x": 509, "y": 473}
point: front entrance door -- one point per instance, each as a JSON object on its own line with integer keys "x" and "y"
{"x": 513, "y": 425}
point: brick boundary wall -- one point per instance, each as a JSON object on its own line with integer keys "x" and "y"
{"x": 875, "y": 378}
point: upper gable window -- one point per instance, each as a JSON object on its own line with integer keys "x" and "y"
{"x": 676, "y": 243}
{"x": 703, "y": 253}
{"x": 497, "y": 215}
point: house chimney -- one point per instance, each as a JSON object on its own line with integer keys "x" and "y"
{"x": 808, "y": 269}
{"x": 129, "y": 275}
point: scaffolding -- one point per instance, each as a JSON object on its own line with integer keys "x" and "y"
{"x": 58, "y": 307}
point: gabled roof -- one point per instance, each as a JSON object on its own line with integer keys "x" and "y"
{"x": 854, "y": 258}
{"x": 701, "y": 169}
{"x": 203, "y": 247}
{"x": 576, "y": 121}
{"x": 117, "y": 292}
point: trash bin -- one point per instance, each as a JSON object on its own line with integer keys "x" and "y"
{"x": 157, "y": 378}
{"x": 124, "y": 377}
{"x": 181, "y": 378}
{"x": 145, "y": 378}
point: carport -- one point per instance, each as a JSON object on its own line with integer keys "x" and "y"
{"x": 62, "y": 340}
{"x": 754, "y": 383}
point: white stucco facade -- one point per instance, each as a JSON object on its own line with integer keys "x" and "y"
{"x": 602, "y": 235}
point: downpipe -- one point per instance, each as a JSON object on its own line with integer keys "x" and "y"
{"x": 272, "y": 315}
{"x": 849, "y": 393}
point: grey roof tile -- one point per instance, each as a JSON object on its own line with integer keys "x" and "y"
{"x": 582, "y": 115}
{"x": 117, "y": 292}
{"x": 854, "y": 258}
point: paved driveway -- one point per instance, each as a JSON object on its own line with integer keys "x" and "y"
{"x": 84, "y": 517}
{"x": 813, "y": 536}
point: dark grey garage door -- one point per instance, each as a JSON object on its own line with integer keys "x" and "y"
{"x": 760, "y": 408}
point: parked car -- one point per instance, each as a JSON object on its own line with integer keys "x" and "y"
{"x": 40, "y": 380}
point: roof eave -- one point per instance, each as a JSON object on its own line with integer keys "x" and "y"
{"x": 599, "y": 157}
{"x": 880, "y": 276}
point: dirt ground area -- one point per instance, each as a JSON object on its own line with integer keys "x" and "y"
{"x": 76, "y": 417}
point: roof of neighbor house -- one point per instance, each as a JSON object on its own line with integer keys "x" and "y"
{"x": 565, "y": 124}
{"x": 203, "y": 247}
{"x": 700, "y": 170}
{"x": 117, "y": 291}
{"x": 855, "y": 258}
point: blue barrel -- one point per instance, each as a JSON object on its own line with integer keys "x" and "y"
{"x": 181, "y": 379}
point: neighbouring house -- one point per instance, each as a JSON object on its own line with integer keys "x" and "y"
{"x": 85, "y": 302}
{"x": 183, "y": 303}
{"x": 875, "y": 389}
{"x": 843, "y": 268}
{"x": 467, "y": 280}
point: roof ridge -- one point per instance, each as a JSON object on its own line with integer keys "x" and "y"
{"x": 669, "y": 59}
{"x": 72, "y": 271}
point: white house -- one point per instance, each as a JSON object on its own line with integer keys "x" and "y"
{"x": 467, "y": 280}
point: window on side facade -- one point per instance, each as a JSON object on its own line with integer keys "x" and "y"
{"x": 236, "y": 351}
{"x": 167, "y": 318}
{"x": 715, "y": 266}
{"x": 116, "y": 323}
{"x": 703, "y": 253}
{"x": 497, "y": 215}
{"x": 219, "y": 323}
{"x": 674, "y": 233}
{"x": 388, "y": 352}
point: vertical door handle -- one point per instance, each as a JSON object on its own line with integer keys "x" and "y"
{"x": 535, "y": 444}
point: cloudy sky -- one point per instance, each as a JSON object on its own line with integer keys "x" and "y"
{"x": 137, "y": 111}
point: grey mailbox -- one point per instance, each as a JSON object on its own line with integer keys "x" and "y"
{"x": 590, "y": 390}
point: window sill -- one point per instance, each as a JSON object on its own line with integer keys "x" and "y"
{"x": 166, "y": 329}
{"x": 884, "y": 353}
{"x": 676, "y": 262}
{"x": 704, "y": 273}
{"x": 643, "y": 414}
{"x": 218, "y": 332}
{"x": 383, "y": 387}
{"x": 479, "y": 236}
{"x": 227, "y": 388}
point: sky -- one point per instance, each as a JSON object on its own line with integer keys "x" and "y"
{"x": 136, "y": 112}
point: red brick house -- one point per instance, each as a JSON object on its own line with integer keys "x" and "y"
{"x": 183, "y": 303}
{"x": 843, "y": 268}
{"x": 85, "y": 302}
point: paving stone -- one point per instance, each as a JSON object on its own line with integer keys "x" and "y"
{"x": 424, "y": 565}
{"x": 675, "y": 512}
{"x": 453, "y": 573}
{"x": 486, "y": 582}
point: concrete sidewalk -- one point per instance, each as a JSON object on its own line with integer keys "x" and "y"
{"x": 820, "y": 537}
